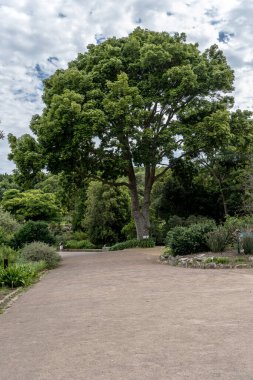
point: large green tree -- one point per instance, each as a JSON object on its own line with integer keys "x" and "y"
{"x": 136, "y": 101}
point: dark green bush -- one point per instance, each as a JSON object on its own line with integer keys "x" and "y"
{"x": 187, "y": 240}
{"x": 32, "y": 231}
{"x": 217, "y": 239}
{"x": 38, "y": 251}
{"x": 134, "y": 243}
{"x": 20, "y": 274}
{"x": 79, "y": 244}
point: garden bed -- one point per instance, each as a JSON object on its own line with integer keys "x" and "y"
{"x": 210, "y": 260}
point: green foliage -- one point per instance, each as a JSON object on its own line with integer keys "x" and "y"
{"x": 29, "y": 161}
{"x": 21, "y": 274}
{"x": 218, "y": 260}
{"x": 7, "y": 182}
{"x": 239, "y": 223}
{"x": 38, "y": 251}
{"x": 146, "y": 243}
{"x": 129, "y": 230}
{"x": 134, "y": 243}
{"x": 79, "y": 244}
{"x": 135, "y": 95}
{"x": 31, "y": 205}
{"x": 247, "y": 244}
{"x": 187, "y": 240}
{"x": 32, "y": 231}
{"x": 217, "y": 239}
{"x": 107, "y": 211}
{"x": 8, "y": 223}
{"x": 7, "y": 252}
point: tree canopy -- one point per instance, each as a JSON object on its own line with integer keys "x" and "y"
{"x": 31, "y": 205}
{"x": 141, "y": 100}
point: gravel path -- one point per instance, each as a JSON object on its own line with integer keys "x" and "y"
{"x": 122, "y": 316}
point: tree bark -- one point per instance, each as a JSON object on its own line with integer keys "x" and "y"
{"x": 140, "y": 212}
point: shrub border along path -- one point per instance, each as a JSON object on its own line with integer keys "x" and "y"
{"x": 122, "y": 315}
{"x": 207, "y": 261}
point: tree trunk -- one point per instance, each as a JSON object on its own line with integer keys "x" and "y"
{"x": 140, "y": 215}
{"x": 141, "y": 212}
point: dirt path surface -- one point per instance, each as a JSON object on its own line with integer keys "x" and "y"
{"x": 122, "y": 316}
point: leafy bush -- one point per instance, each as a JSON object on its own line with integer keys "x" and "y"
{"x": 38, "y": 251}
{"x": 234, "y": 223}
{"x": 134, "y": 243}
{"x": 8, "y": 224}
{"x": 247, "y": 244}
{"x": 32, "y": 231}
{"x": 217, "y": 240}
{"x": 129, "y": 230}
{"x": 20, "y": 274}
{"x": 7, "y": 252}
{"x": 187, "y": 240}
{"x": 79, "y": 244}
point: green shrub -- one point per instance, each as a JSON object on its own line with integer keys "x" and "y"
{"x": 217, "y": 240}
{"x": 20, "y": 274}
{"x": 32, "y": 231}
{"x": 79, "y": 244}
{"x": 187, "y": 240}
{"x": 7, "y": 223}
{"x": 129, "y": 231}
{"x": 38, "y": 251}
{"x": 134, "y": 243}
{"x": 7, "y": 252}
{"x": 79, "y": 235}
{"x": 247, "y": 244}
{"x": 4, "y": 237}
{"x": 146, "y": 243}
{"x": 234, "y": 223}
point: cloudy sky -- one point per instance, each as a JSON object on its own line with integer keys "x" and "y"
{"x": 39, "y": 36}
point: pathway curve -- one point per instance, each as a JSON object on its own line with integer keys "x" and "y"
{"x": 123, "y": 316}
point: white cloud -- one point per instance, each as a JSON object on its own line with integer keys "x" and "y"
{"x": 32, "y": 31}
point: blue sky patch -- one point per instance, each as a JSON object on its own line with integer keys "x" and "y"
{"x": 99, "y": 38}
{"x": 40, "y": 73}
{"x": 225, "y": 37}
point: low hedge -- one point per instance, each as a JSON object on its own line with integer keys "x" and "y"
{"x": 134, "y": 243}
{"x": 79, "y": 244}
